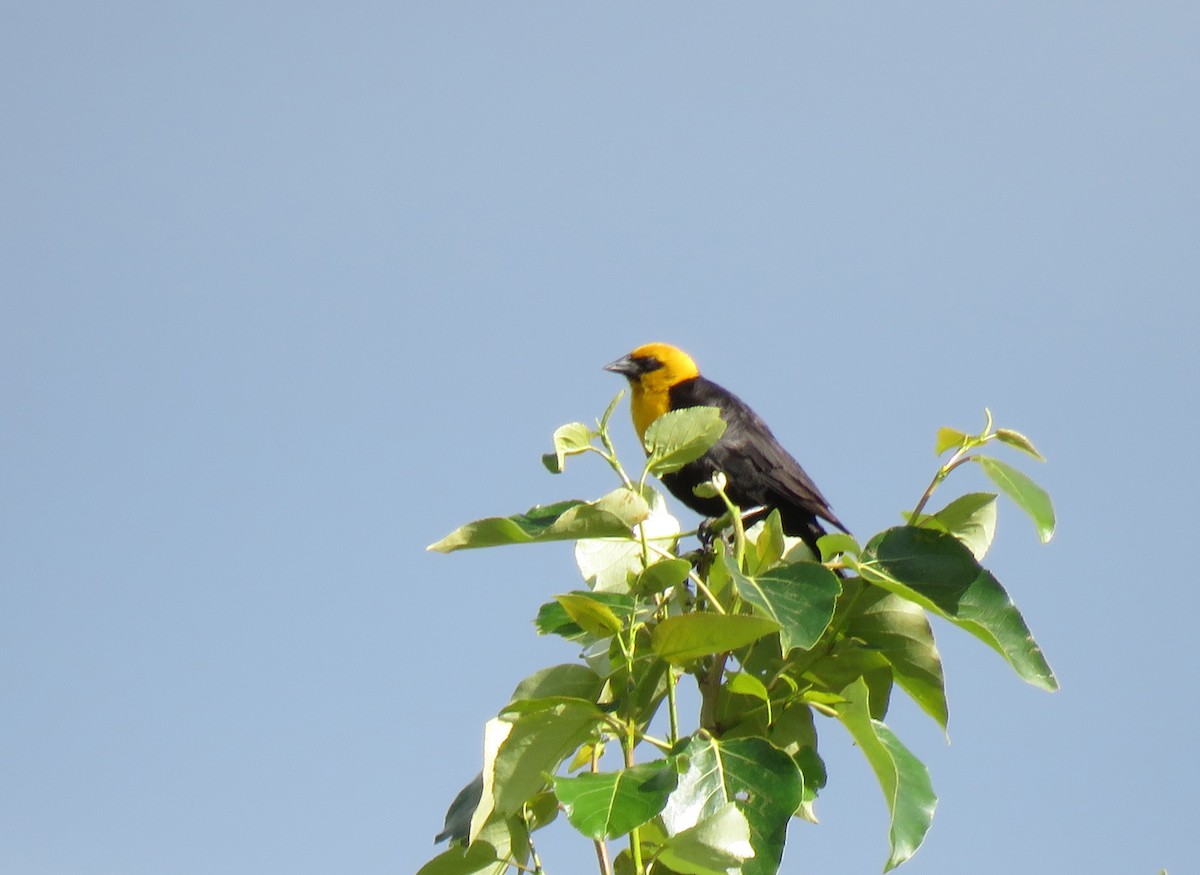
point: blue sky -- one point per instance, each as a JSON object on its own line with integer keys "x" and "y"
{"x": 291, "y": 291}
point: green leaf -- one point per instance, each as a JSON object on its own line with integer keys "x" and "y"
{"x": 763, "y": 780}
{"x": 812, "y": 768}
{"x": 563, "y": 521}
{"x": 1018, "y": 440}
{"x": 590, "y": 614}
{"x": 608, "y": 411}
{"x": 626, "y": 504}
{"x": 570, "y": 680}
{"x": 478, "y": 859}
{"x": 800, "y": 597}
{"x": 745, "y": 684}
{"x": 948, "y": 438}
{"x": 836, "y": 543}
{"x": 681, "y": 639}
{"x": 610, "y": 804}
{"x": 500, "y": 839}
{"x": 769, "y": 542}
{"x": 534, "y": 746}
{"x": 937, "y": 572}
{"x": 495, "y": 731}
{"x": 663, "y": 575}
{"x": 681, "y": 436}
{"x": 748, "y": 685}
{"x": 971, "y": 518}
{"x": 718, "y": 575}
{"x": 902, "y": 777}
{"x": 714, "y": 846}
{"x": 898, "y": 630}
{"x": 847, "y": 662}
{"x": 553, "y": 619}
{"x": 793, "y": 729}
{"x": 569, "y": 440}
{"x": 608, "y": 564}
{"x": 1030, "y": 497}
{"x": 458, "y": 817}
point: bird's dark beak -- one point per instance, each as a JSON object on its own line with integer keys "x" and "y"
{"x": 625, "y": 366}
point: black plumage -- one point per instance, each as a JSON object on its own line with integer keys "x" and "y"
{"x": 760, "y": 472}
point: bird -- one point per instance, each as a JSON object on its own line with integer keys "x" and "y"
{"x": 760, "y": 474}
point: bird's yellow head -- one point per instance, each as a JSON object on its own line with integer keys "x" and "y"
{"x": 652, "y": 370}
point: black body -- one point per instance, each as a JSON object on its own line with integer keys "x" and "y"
{"x": 760, "y": 472}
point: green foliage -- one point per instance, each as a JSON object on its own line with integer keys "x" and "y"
{"x": 606, "y": 805}
{"x": 681, "y": 436}
{"x": 776, "y": 643}
{"x": 686, "y": 638}
{"x": 903, "y": 778}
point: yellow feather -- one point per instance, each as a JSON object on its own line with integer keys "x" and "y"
{"x": 651, "y": 391}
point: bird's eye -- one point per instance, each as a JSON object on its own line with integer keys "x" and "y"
{"x": 649, "y": 363}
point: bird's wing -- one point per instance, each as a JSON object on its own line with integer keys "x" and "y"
{"x": 757, "y": 463}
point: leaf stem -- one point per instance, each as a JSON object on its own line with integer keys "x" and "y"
{"x": 970, "y": 442}
{"x": 672, "y": 708}
{"x": 694, "y": 578}
{"x": 661, "y": 744}
{"x": 635, "y": 834}
{"x": 735, "y": 515}
{"x": 710, "y": 689}
{"x": 602, "y": 857}
{"x": 611, "y": 458}
{"x": 942, "y": 473}
{"x": 533, "y": 854}
{"x": 601, "y": 848}
{"x": 609, "y": 453}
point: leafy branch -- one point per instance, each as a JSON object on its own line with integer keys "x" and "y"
{"x": 775, "y": 642}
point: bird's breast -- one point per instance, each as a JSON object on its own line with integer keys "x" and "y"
{"x": 647, "y": 406}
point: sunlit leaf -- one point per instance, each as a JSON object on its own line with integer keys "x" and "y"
{"x": 553, "y": 619}
{"x": 663, "y": 575}
{"x": 1030, "y": 497}
{"x": 768, "y": 542}
{"x": 608, "y": 564}
{"x": 681, "y": 436}
{"x": 478, "y": 859}
{"x": 898, "y": 630}
{"x": 972, "y": 519}
{"x": 718, "y": 844}
{"x": 948, "y": 438}
{"x": 589, "y": 613}
{"x": 495, "y": 731}
{"x": 690, "y": 636}
{"x": 937, "y": 572}
{"x": 564, "y": 521}
{"x": 610, "y": 804}
{"x": 569, "y": 439}
{"x": 567, "y": 680}
{"x": 535, "y": 745}
{"x": 902, "y": 777}
{"x": 836, "y": 543}
{"x": 747, "y": 685}
{"x": 763, "y": 780}
{"x": 1018, "y": 440}
{"x": 799, "y": 596}
{"x": 499, "y": 839}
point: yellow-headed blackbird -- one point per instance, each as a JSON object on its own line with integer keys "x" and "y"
{"x": 760, "y": 473}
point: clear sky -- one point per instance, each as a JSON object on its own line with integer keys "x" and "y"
{"x": 291, "y": 290}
